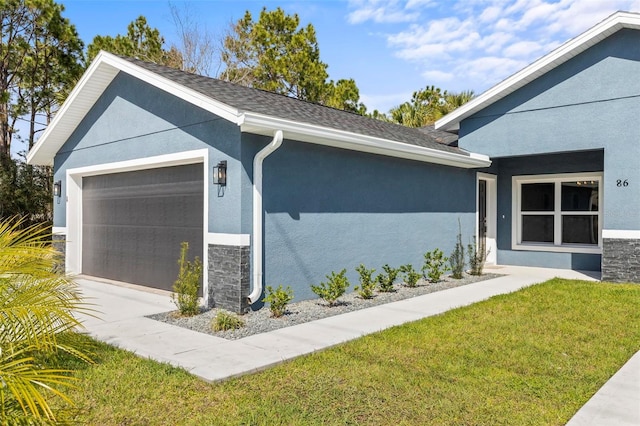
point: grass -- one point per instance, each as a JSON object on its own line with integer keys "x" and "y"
{"x": 528, "y": 358}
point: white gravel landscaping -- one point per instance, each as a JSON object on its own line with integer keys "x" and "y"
{"x": 260, "y": 321}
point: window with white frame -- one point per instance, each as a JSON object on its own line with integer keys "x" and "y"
{"x": 558, "y": 212}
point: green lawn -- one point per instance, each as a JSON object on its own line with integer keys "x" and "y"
{"x": 528, "y": 358}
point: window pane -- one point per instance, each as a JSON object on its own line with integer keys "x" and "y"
{"x": 580, "y": 196}
{"x": 537, "y": 197}
{"x": 537, "y": 229}
{"x": 580, "y": 229}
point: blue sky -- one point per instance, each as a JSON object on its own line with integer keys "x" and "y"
{"x": 391, "y": 48}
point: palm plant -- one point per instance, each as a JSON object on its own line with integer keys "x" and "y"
{"x": 37, "y": 306}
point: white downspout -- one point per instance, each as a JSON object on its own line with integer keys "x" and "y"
{"x": 256, "y": 262}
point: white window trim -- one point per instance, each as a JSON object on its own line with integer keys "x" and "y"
{"x": 516, "y": 221}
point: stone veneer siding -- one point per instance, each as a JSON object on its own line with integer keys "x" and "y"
{"x": 621, "y": 260}
{"x": 229, "y": 277}
{"x": 59, "y": 243}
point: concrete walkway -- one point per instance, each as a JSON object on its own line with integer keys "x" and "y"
{"x": 122, "y": 323}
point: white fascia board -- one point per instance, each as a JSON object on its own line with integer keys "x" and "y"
{"x": 265, "y": 125}
{"x": 95, "y": 80}
{"x": 560, "y": 55}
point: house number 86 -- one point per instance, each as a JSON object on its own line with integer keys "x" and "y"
{"x": 622, "y": 183}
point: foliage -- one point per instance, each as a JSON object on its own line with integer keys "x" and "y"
{"x": 427, "y": 106}
{"x": 196, "y": 45}
{"x": 37, "y": 307}
{"x": 559, "y": 342}
{"x": 411, "y": 276}
{"x": 333, "y": 289}
{"x": 141, "y": 41}
{"x": 456, "y": 260}
{"x": 275, "y": 54}
{"x": 186, "y": 287}
{"x": 386, "y": 278}
{"x": 476, "y": 258}
{"x": 434, "y": 265}
{"x": 367, "y": 285}
{"x": 225, "y": 320}
{"x": 41, "y": 58}
{"x": 25, "y": 191}
{"x": 278, "y": 300}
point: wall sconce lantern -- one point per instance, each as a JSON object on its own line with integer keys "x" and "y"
{"x": 220, "y": 173}
{"x": 57, "y": 190}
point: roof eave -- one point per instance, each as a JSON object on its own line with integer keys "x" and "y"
{"x": 305, "y": 132}
{"x": 560, "y": 55}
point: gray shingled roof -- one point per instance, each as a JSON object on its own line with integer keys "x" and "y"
{"x": 283, "y": 107}
{"x": 440, "y": 136}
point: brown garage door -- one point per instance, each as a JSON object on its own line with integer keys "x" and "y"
{"x": 133, "y": 223}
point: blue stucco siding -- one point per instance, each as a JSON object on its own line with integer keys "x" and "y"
{"x": 505, "y": 169}
{"x": 328, "y": 209}
{"x": 591, "y": 102}
{"x": 133, "y": 120}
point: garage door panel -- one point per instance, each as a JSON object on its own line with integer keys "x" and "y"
{"x": 134, "y": 223}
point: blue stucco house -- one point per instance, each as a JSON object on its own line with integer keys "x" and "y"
{"x": 268, "y": 190}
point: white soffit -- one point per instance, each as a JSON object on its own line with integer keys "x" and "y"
{"x": 106, "y": 66}
{"x": 560, "y": 55}
{"x": 92, "y": 85}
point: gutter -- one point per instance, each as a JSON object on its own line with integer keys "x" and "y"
{"x": 257, "y": 214}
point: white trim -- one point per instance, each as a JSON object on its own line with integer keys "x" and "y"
{"x": 59, "y": 230}
{"x": 73, "y": 250}
{"x": 306, "y": 132}
{"x": 239, "y": 240}
{"x": 557, "y": 246}
{"x": 106, "y": 67}
{"x": 560, "y": 55}
{"x": 492, "y": 215}
{"x": 623, "y": 234}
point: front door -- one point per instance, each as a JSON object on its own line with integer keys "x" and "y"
{"x": 487, "y": 216}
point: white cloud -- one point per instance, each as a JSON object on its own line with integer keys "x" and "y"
{"x": 379, "y": 11}
{"x": 437, "y": 76}
{"x": 472, "y": 44}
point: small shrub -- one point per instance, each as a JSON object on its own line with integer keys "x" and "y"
{"x": 225, "y": 320}
{"x": 386, "y": 279}
{"x": 434, "y": 265}
{"x": 332, "y": 290}
{"x": 185, "y": 288}
{"x": 411, "y": 276}
{"x": 278, "y": 300}
{"x": 456, "y": 260}
{"x": 367, "y": 285}
{"x": 476, "y": 258}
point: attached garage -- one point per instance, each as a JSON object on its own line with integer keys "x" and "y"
{"x": 134, "y": 222}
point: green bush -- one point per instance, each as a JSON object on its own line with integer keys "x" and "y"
{"x": 411, "y": 276}
{"x": 278, "y": 300}
{"x": 476, "y": 258}
{"x": 336, "y": 286}
{"x": 185, "y": 288}
{"x": 456, "y": 260}
{"x": 367, "y": 285}
{"x": 386, "y": 279}
{"x": 434, "y": 265}
{"x": 225, "y": 320}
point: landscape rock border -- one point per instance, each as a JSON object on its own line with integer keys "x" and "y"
{"x": 261, "y": 321}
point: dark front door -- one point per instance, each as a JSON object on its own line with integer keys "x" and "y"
{"x": 482, "y": 216}
{"x": 133, "y": 223}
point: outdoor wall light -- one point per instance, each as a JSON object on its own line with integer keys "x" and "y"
{"x": 220, "y": 173}
{"x": 57, "y": 189}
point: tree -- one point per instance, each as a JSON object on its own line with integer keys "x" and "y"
{"x": 37, "y": 307}
{"x": 39, "y": 55}
{"x": 141, "y": 41}
{"x": 196, "y": 45}
{"x": 275, "y": 54}
{"x": 427, "y": 106}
